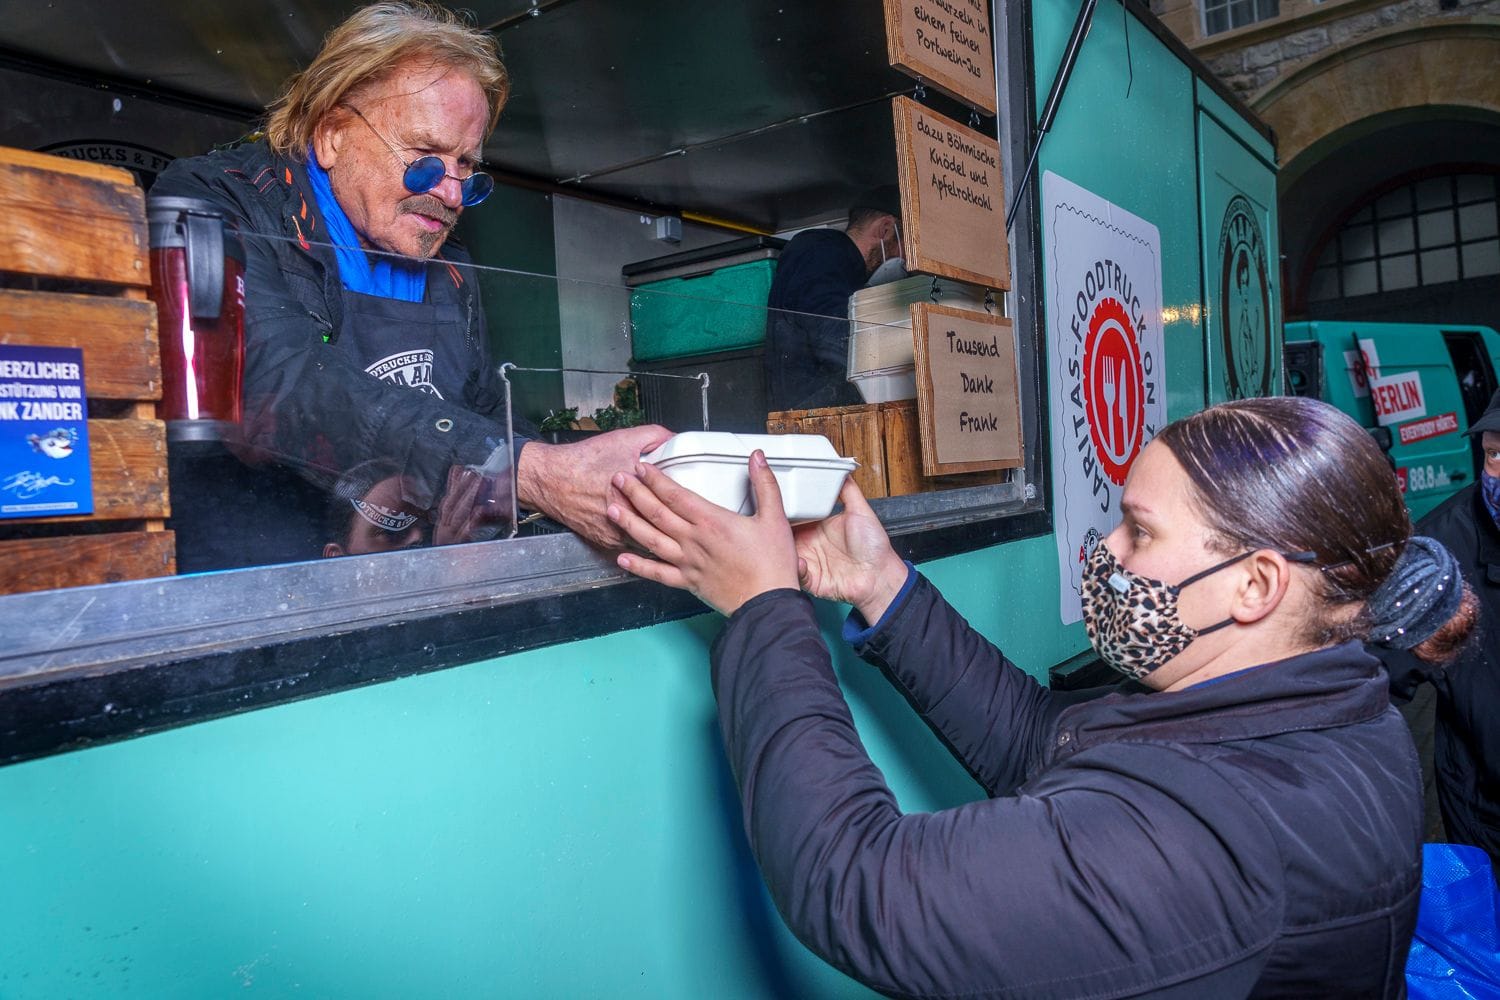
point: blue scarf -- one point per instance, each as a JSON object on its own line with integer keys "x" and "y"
{"x": 1489, "y": 488}
{"x": 386, "y": 276}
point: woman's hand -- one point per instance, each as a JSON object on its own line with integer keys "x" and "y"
{"x": 848, "y": 557}
{"x": 721, "y": 557}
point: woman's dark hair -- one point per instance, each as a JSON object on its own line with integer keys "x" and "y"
{"x": 1297, "y": 475}
{"x": 1448, "y": 641}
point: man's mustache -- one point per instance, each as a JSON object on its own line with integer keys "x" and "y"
{"x": 426, "y": 204}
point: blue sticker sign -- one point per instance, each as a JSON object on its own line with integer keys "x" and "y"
{"x": 44, "y": 433}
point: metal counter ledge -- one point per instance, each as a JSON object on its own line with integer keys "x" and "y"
{"x": 90, "y": 665}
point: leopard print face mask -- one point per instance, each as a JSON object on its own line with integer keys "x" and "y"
{"x": 1132, "y": 620}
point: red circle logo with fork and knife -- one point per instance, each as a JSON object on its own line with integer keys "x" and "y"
{"x": 1114, "y": 389}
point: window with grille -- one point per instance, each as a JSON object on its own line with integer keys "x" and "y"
{"x": 1432, "y": 231}
{"x": 1222, "y": 15}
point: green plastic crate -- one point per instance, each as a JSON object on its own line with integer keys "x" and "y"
{"x": 723, "y": 310}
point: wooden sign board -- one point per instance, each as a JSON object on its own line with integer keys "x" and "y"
{"x": 944, "y": 43}
{"x": 968, "y": 396}
{"x": 952, "y": 198}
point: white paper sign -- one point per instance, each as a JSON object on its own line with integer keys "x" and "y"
{"x": 1398, "y": 398}
{"x": 1362, "y": 365}
{"x": 1106, "y": 370}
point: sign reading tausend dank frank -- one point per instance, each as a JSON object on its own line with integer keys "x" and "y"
{"x": 44, "y": 433}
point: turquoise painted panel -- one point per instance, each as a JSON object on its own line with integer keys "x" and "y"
{"x": 559, "y": 823}
{"x": 1241, "y": 265}
{"x": 1125, "y": 131}
{"x": 1235, "y": 124}
{"x": 677, "y": 317}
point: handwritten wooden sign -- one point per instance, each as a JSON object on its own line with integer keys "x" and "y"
{"x": 944, "y": 43}
{"x": 968, "y": 397}
{"x": 952, "y": 204}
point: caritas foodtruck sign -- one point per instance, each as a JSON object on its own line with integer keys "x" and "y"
{"x": 1106, "y": 373}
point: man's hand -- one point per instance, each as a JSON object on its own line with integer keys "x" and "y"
{"x": 721, "y": 557}
{"x": 570, "y": 483}
{"x": 848, "y": 557}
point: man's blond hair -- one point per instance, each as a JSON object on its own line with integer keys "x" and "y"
{"x": 373, "y": 43}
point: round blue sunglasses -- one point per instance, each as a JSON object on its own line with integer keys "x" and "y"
{"x": 427, "y": 172}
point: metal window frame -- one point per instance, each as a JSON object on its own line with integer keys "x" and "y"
{"x": 1334, "y": 243}
{"x": 1258, "y": 10}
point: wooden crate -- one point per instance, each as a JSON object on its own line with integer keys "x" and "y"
{"x": 884, "y": 438}
{"x": 74, "y": 272}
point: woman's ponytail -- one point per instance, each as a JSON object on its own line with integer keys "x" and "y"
{"x": 1424, "y": 605}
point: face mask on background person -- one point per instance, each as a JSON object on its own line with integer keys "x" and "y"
{"x": 1489, "y": 487}
{"x": 890, "y": 269}
{"x": 1132, "y": 620}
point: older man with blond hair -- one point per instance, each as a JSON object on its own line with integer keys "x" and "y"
{"x": 365, "y": 335}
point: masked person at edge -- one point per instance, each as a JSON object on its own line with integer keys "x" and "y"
{"x": 365, "y": 336}
{"x": 1242, "y": 817}
{"x": 1466, "y": 741}
{"x": 807, "y": 318}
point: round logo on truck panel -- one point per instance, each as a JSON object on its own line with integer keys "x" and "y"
{"x": 1244, "y": 302}
{"x": 1114, "y": 389}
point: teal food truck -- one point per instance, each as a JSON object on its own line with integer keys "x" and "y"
{"x": 493, "y": 769}
{"x": 1416, "y": 387}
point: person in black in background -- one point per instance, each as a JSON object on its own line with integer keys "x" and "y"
{"x": 1466, "y": 747}
{"x": 807, "y": 327}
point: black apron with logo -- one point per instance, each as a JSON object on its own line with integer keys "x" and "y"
{"x": 227, "y": 514}
{"x": 409, "y": 344}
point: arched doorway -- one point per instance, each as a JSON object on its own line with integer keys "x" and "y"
{"x": 1390, "y": 152}
{"x": 1367, "y": 236}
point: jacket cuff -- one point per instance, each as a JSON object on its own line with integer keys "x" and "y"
{"x": 857, "y": 631}
{"x": 765, "y": 597}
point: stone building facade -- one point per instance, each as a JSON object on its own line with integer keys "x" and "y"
{"x": 1387, "y": 123}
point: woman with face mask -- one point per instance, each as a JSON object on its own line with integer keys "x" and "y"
{"x": 1240, "y": 817}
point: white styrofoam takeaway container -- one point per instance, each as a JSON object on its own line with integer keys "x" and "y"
{"x": 886, "y": 385}
{"x": 715, "y": 465}
{"x": 881, "y": 354}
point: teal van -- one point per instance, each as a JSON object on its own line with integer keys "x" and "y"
{"x": 1416, "y": 387}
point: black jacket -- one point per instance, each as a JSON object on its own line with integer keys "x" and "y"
{"x": 1255, "y": 836}
{"x": 1467, "y": 745}
{"x": 807, "y": 356}
{"x": 309, "y": 403}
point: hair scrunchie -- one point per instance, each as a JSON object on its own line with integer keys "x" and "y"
{"x": 1419, "y": 597}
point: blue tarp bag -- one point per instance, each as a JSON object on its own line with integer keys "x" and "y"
{"x": 1455, "y": 954}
